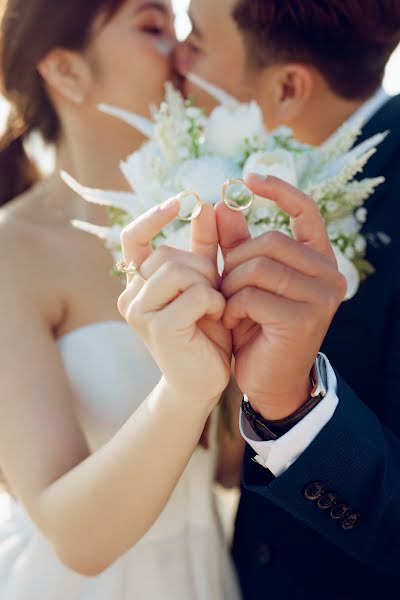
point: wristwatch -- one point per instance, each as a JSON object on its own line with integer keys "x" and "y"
{"x": 272, "y": 430}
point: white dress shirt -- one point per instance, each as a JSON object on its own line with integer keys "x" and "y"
{"x": 278, "y": 455}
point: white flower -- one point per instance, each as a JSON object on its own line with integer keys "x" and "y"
{"x": 278, "y": 163}
{"x": 349, "y": 271}
{"x": 194, "y": 113}
{"x": 230, "y": 125}
{"x": 349, "y": 252}
{"x": 147, "y": 175}
{"x": 332, "y": 233}
{"x": 361, "y": 215}
{"x": 345, "y": 225}
{"x": 206, "y": 176}
{"x": 360, "y": 245}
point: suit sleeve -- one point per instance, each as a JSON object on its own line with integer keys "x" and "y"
{"x": 345, "y": 486}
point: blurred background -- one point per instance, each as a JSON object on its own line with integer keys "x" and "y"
{"x": 391, "y": 84}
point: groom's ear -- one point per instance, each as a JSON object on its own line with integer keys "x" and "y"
{"x": 232, "y": 228}
{"x": 286, "y": 89}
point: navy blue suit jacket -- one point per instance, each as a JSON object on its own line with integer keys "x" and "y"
{"x": 285, "y": 545}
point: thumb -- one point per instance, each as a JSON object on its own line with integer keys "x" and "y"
{"x": 232, "y": 228}
{"x": 204, "y": 239}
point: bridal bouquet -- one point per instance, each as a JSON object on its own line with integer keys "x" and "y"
{"x": 188, "y": 151}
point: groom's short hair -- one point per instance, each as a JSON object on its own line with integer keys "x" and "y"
{"x": 348, "y": 41}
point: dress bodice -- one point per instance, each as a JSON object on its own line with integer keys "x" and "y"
{"x": 111, "y": 372}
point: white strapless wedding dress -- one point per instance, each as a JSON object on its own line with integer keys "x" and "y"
{"x": 184, "y": 555}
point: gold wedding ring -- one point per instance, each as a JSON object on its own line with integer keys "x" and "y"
{"x": 240, "y": 203}
{"x": 197, "y": 209}
{"x": 131, "y": 268}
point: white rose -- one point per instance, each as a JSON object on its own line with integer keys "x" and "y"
{"x": 228, "y": 126}
{"x": 206, "y": 176}
{"x": 278, "y": 163}
{"x": 349, "y": 271}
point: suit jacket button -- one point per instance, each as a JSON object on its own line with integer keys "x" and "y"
{"x": 350, "y": 521}
{"x": 264, "y": 554}
{"x": 327, "y": 501}
{"x": 340, "y": 511}
{"x": 314, "y": 490}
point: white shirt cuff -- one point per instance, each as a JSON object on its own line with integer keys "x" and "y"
{"x": 278, "y": 455}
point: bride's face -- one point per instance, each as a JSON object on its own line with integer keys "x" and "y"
{"x": 130, "y": 55}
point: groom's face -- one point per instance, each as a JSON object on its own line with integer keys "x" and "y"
{"x": 215, "y": 51}
{"x": 219, "y": 52}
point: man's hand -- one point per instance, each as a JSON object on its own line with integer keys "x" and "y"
{"x": 282, "y": 295}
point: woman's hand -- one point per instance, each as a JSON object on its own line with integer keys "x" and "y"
{"x": 174, "y": 305}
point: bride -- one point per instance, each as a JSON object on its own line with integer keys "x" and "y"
{"x": 111, "y": 490}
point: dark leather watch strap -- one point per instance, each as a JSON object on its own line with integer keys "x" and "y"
{"x": 272, "y": 430}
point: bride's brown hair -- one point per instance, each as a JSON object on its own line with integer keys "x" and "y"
{"x": 28, "y": 31}
{"x": 348, "y": 41}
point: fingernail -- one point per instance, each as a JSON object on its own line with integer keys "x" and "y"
{"x": 257, "y": 177}
{"x": 170, "y": 203}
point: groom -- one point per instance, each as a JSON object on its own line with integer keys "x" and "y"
{"x": 319, "y": 514}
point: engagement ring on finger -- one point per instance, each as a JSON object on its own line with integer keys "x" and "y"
{"x": 129, "y": 269}
{"x": 236, "y": 195}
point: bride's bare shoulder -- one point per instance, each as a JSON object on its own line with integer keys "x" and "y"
{"x": 32, "y": 238}
{"x": 21, "y": 230}
{"x": 27, "y": 263}
{"x": 33, "y": 224}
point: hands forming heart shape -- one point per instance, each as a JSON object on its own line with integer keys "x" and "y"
{"x": 270, "y": 309}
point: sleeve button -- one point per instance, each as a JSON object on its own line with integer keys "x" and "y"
{"x": 350, "y": 521}
{"x": 314, "y": 490}
{"x": 327, "y": 501}
{"x": 340, "y": 511}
